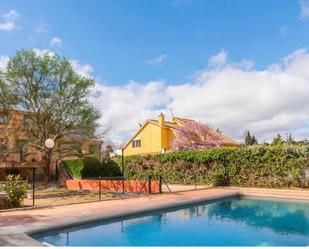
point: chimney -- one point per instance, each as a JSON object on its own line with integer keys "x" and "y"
{"x": 161, "y": 120}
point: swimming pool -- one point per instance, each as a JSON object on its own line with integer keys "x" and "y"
{"x": 227, "y": 222}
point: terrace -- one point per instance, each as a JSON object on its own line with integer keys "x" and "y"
{"x": 15, "y": 225}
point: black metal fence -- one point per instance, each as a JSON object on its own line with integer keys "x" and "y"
{"x": 38, "y": 198}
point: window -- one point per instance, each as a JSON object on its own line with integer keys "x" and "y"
{"x": 4, "y": 118}
{"x": 136, "y": 143}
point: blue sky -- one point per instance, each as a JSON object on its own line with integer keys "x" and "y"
{"x": 153, "y": 56}
{"x": 118, "y": 37}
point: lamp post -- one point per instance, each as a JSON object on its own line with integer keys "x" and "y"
{"x": 122, "y": 162}
{"x": 49, "y": 144}
{"x": 122, "y": 169}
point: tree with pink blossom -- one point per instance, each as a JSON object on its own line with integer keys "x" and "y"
{"x": 192, "y": 135}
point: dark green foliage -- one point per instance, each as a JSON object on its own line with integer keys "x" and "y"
{"x": 282, "y": 165}
{"x": 250, "y": 140}
{"x": 92, "y": 167}
{"x": 277, "y": 140}
{"x": 110, "y": 168}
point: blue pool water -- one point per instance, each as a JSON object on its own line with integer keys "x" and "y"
{"x": 229, "y": 222}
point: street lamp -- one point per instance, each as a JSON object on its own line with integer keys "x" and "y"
{"x": 49, "y": 143}
{"x": 122, "y": 162}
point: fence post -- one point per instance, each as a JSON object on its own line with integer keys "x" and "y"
{"x": 100, "y": 187}
{"x": 160, "y": 184}
{"x": 149, "y": 184}
{"x": 123, "y": 185}
{"x": 33, "y": 187}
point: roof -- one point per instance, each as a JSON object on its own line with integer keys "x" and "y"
{"x": 176, "y": 124}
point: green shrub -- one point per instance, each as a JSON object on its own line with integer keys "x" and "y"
{"x": 15, "y": 190}
{"x": 110, "y": 168}
{"x": 75, "y": 167}
{"x": 282, "y": 165}
{"x": 218, "y": 176}
{"x": 92, "y": 167}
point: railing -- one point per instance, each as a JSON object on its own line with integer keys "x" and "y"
{"x": 152, "y": 185}
{"x": 162, "y": 180}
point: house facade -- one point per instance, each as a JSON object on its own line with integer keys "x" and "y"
{"x": 14, "y": 135}
{"x": 157, "y": 136}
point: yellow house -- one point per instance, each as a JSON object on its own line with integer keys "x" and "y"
{"x": 156, "y": 136}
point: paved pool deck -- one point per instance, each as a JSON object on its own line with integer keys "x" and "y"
{"x": 15, "y": 225}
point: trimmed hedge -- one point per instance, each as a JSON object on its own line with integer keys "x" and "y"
{"x": 257, "y": 166}
{"x": 92, "y": 167}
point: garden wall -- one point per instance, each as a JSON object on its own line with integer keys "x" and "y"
{"x": 113, "y": 185}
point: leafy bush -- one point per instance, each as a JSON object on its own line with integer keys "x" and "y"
{"x": 110, "y": 168}
{"x": 75, "y": 167}
{"x": 15, "y": 190}
{"x": 92, "y": 167}
{"x": 282, "y": 165}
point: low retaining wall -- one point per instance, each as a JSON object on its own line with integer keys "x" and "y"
{"x": 113, "y": 185}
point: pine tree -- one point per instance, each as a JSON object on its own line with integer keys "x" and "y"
{"x": 277, "y": 140}
{"x": 248, "y": 139}
{"x": 290, "y": 139}
{"x": 253, "y": 140}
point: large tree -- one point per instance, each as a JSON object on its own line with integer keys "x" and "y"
{"x": 56, "y": 97}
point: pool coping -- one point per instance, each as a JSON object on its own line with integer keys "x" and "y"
{"x": 26, "y": 239}
{"x": 141, "y": 212}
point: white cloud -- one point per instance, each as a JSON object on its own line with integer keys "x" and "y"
{"x": 84, "y": 70}
{"x": 158, "y": 60}
{"x": 3, "y": 62}
{"x": 40, "y": 52}
{"x": 233, "y": 98}
{"x": 12, "y": 15}
{"x": 55, "y": 41}
{"x": 41, "y": 28}
{"x": 7, "y": 26}
{"x": 9, "y": 20}
{"x": 218, "y": 59}
{"x": 304, "y": 9}
{"x": 125, "y": 107}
